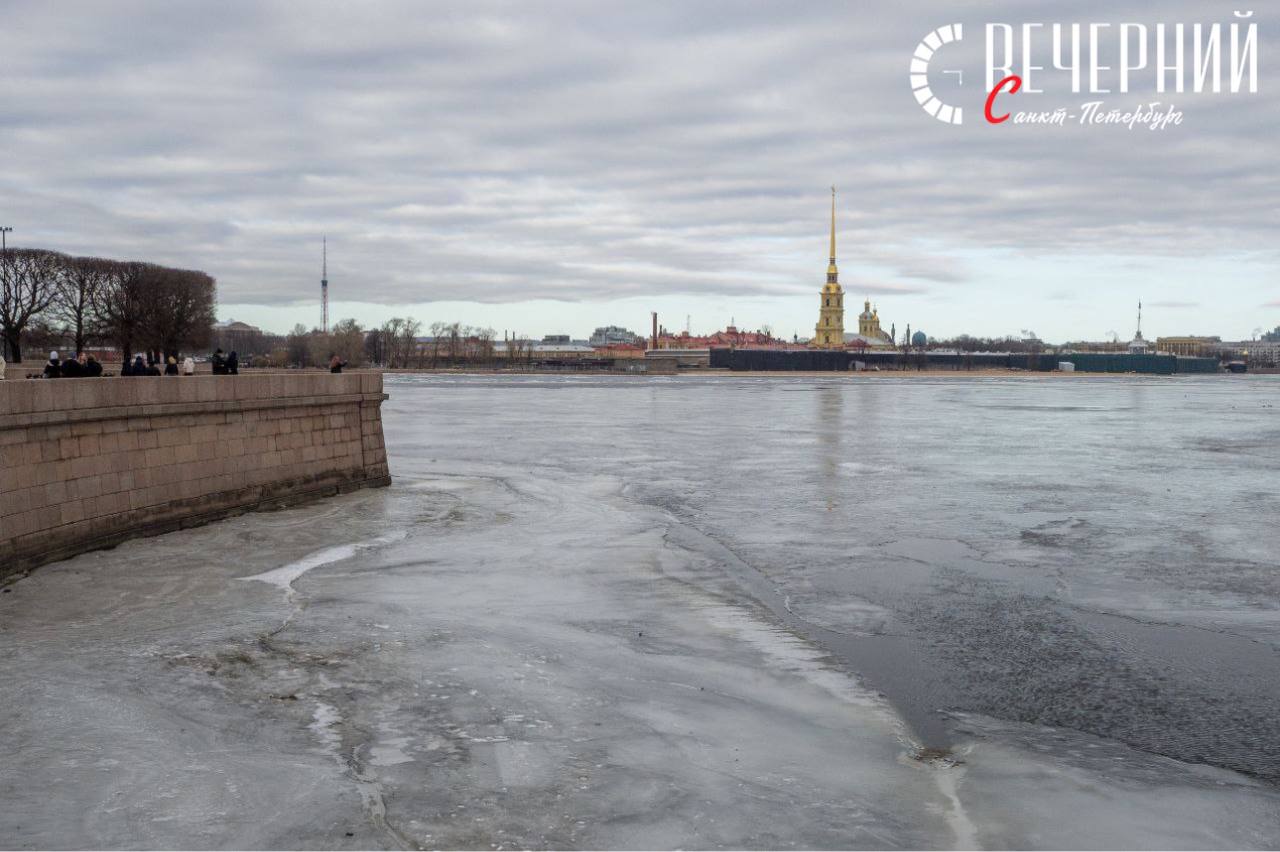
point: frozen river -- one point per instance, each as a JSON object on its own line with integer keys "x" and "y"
{"x": 697, "y": 612}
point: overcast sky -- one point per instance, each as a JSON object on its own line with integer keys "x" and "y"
{"x": 550, "y": 167}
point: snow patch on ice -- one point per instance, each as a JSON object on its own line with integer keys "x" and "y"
{"x": 323, "y": 718}
{"x": 284, "y": 576}
{"x": 948, "y": 779}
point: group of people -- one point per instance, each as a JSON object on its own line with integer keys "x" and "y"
{"x": 139, "y": 367}
{"x": 225, "y": 365}
{"x": 86, "y": 366}
{"x": 80, "y": 367}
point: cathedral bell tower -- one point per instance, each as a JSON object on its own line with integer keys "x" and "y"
{"x": 829, "y": 332}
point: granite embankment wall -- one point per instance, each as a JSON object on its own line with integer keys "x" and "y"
{"x": 88, "y": 463}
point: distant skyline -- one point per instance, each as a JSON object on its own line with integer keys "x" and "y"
{"x": 550, "y": 168}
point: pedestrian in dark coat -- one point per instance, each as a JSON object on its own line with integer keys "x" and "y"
{"x": 336, "y": 364}
{"x": 171, "y": 368}
{"x": 92, "y": 368}
{"x": 71, "y": 368}
{"x": 219, "y": 363}
{"x": 233, "y": 364}
{"x": 53, "y": 369}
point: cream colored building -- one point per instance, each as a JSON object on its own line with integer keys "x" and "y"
{"x": 1188, "y": 345}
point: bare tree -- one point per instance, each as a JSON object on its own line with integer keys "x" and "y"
{"x": 347, "y": 342}
{"x": 375, "y": 350}
{"x": 390, "y": 333}
{"x": 319, "y": 348}
{"x": 28, "y": 285}
{"x": 484, "y": 349}
{"x": 121, "y": 305}
{"x": 453, "y": 342}
{"x": 82, "y": 279}
{"x": 439, "y": 332}
{"x": 297, "y": 347}
{"x": 409, "y": 339}
{"x": 400, "y": 338}
{"x": 181, "y": 309}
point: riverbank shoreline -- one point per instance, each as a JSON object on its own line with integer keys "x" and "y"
{"x": 721, "y": 373}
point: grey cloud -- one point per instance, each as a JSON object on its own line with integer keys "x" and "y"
{"x": 496, "y": 152}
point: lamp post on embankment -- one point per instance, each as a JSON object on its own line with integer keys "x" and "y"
{"x": 4, "y": 253}
{"x": 4, "y": 269}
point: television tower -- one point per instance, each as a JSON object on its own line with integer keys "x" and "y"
{"x": 324, "y": 286}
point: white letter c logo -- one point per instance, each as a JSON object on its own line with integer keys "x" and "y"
{"x": 920, "y": 74}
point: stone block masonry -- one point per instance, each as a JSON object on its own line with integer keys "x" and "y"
{"x": 88, "y": 463}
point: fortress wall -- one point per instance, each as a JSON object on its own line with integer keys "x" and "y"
{"x": 88, "y": 463}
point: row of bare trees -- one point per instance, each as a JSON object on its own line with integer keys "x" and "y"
{"x": 137, "y": 307}
{"x": 453, "y": 344}
{"x": 967, "y": 343}
{"x": 396, "y": 344}
{"x": 315, "y": 348}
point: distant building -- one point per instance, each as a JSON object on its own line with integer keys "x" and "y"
{"x": 1188, "y": 346}
{"x": 870, "y": 335}
{"x": 244, "y": 339}
{"x": 545, "y": 349}
{"x": 234, "y": 327}
{"x": 1263, "y": 353}
{"x": 612, "y": 335}
{"x": 919, "y": 339}
{"x": 556, "y": 339}
{"x": 731, "y": 337}
{"x": 1256, "y": 353}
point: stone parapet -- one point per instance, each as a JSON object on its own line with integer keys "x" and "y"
{"x": 88, "y": 463}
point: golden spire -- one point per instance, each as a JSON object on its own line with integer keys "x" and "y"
{"x": 831, "y": 267}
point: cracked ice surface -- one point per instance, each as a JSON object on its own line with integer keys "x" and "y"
{"x": 540, "y": 635}
{"x": 517, "y": 669}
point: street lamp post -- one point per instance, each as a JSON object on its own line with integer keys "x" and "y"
{"x": 4, "y": 268}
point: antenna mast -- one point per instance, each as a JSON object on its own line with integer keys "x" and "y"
{"x": 324, "y": 286}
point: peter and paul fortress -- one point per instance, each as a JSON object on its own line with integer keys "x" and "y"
{"x": 829, "y": 332}
{"x": 869, "y": 331}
